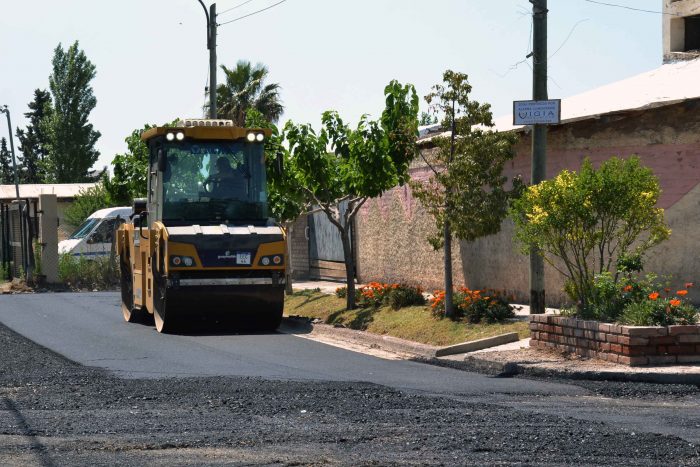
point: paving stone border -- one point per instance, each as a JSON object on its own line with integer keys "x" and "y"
{"x": 627, "y": 345}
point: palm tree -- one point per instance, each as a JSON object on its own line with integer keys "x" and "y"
{"x": 245, "y": 88}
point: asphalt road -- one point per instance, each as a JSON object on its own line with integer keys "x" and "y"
{"x": 136, "y": 397}
{"x": 88, "y": 328}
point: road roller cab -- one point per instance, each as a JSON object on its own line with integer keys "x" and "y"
{"x": 203, "y": 240}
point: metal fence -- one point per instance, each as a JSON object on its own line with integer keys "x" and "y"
{"x": 18, "y": 231}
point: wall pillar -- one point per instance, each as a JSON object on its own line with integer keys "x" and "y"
{"x": 48, "y": 237}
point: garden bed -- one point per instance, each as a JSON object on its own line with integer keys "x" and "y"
{"x": 628, "y": 345}
{"x": 416, "y": 323}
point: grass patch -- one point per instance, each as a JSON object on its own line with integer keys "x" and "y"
{"x": 78, "y": 272}
{"x": 415, "y": 323}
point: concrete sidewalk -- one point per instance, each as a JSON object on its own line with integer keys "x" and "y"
{"x": 518, "y": 358}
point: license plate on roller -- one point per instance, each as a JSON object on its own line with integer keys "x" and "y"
{"x": 243, "y": 258}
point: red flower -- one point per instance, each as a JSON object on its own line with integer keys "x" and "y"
{"x": 688, "y": 285}
{"x": 681, "y": 292}
{"x": 675, "y": 302}
{"x": 627, "y": 288}
{"x": 654, "y": 295}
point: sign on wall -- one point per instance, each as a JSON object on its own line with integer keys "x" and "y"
{"x": 537, "y": 112}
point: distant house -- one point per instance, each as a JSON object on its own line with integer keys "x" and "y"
{"x": 65, "y": 194}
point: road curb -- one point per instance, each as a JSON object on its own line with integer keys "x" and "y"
{"x": 481, "y": 365}
{"x": 393, "y": 344}
{"x": 389, "y": 343}
{"x": 427, "y": 354}
{"x": 479, "y": 344}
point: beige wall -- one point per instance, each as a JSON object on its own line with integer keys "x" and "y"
{"x": 299, "y": 248}
{"x": 673, "y": 28}
{"x": 393, "y": 228}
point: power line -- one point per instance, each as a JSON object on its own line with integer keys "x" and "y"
{"x": 568, "y": 36}
{"x": 631, "y": 8}
{"x": 235, "y": 6}
{"x": 253, "y": 13}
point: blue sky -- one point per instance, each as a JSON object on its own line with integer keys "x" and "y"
{"x": 152, "y": 60}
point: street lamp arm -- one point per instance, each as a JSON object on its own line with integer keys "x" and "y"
{"x": 206, "y": 13}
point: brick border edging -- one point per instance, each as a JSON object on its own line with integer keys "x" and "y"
{"x": 628, "y": 345}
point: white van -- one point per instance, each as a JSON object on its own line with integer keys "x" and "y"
{"x": 94, "y": 237}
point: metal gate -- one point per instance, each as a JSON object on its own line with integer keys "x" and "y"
{"x": 16, "y": 252}
{"x": 5, "y": 248}
{"x": 326, "y": 258}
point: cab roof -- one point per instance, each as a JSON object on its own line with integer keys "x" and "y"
{"x": 204, "y": 129}
{"x": 122, "y": 211}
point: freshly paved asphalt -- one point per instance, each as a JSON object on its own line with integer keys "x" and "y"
{"x": 88, "y": 328}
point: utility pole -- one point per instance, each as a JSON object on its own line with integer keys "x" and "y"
{"x": 212, "y": 61}
{"x": 23, "y": 246}
{"x": 539, "y": 140}
{"x": 211, "y": 45}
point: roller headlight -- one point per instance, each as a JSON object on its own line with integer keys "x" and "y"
{"x": 180, "y": 136}
{"x": 251, "y": 137}
{"x": 260, "y": 137}
{"x": 170, "y": 136}
{"x": 277, "y": 259}
{"x": 180, "y": 261}
{"x": 265, "y": 261}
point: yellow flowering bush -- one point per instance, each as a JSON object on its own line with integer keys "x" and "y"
{"x": 581, "y": 222}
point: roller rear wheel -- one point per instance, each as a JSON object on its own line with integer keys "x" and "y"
{"x": 130, "y": 314}
{"x": 165, "y": 319}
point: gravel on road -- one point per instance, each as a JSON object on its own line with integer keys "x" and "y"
{"x": 56, "y": 412}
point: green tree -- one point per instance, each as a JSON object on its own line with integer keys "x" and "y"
{"x": 427, "y": 119}
{"x": 130, "y": 173}
{"x": 245, "y": 88}
{"x": 465, "y": 194}
{"x": 364, "y": 163}
{"x": 70, "y": 137}
{"x": 33, "y": 141}
{"x": 583, "y": 222}
{"x": 285, "y": 195}
{"x": 6, "y": 176}
{"x": 87, "y": 202}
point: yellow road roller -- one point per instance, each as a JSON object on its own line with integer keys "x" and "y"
{"x": 203, "y": 241}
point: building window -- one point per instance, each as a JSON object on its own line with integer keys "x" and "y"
{"x": 692, "y": 33}
{"x": 685, "y": 34}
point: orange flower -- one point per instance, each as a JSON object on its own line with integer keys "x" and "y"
{"x": 627, "y": 288}
{"x": 675, "y": 302}
{"x": 681, "y": 292}
{"x": 654, "y": 295}
{"x": 688, "y": 285}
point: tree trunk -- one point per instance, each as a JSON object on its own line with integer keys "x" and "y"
{"x": 349, "y": 268}
{"x": 449, "y": 305}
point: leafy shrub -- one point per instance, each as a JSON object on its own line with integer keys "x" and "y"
{"x": 376, "y": 294}
{"x": 78, "y": 272}
{"x": 87, "y": 202}
{"x": 401, "y": 295}
{"x": 372, "y": 294}
{"x": 475, "y": 306}
{"x": 661, "y": 309}
{"x": 582, "y": 221}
